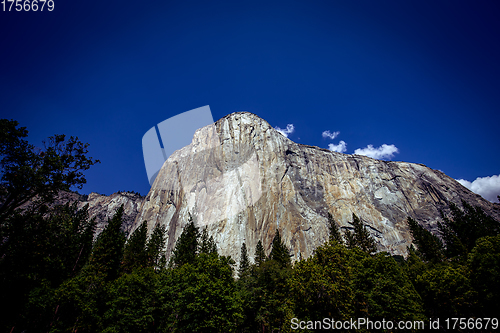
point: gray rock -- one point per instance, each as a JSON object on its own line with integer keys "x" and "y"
{"x": 104, "y": 207}
{"x": 242, "y": 180}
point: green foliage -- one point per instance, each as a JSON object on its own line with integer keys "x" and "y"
{"x": 359, "y": 237}
{"x": 321, "y": 286}
{"x": 107, "y": 253}
{"x": 207, "y": 244}
{"x": 382, "y": 289}
{"x": 464, "y": 227}
{"x": 447, "y": 291}
{"x": 484, "y": 266}
{"x": 279, "y": 251}
{"x": 135, "y": 254}
{"x": 39, "y": 252}
{"x": 154, "y": 248}
{"x": 244, "y": 261}
{"x": 260, "y": 255}
{"x": 430, "y": 247}
{"x": 414, "y": 266}
{"x": 80, "y": 303}
{"x": 132, "y": 303}
{"x": 199, "y": 296}
{"x": 53, "y": 280}
{"x": 334, "y": 230}
{"x": 265, "y": 293}
{"x": 29, "y": 173}
{"x": 186, "y": 246}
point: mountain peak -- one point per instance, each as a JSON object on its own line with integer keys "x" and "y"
{"x": 241, "y": 179}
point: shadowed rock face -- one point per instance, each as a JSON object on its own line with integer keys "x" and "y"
{"x": 242, "y": 179}
{"x": 103, "y": 208}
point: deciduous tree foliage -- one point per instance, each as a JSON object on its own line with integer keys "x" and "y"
{"x": 199, "y": 296}
{"x": 382, "y": 289}
{"x": 321, "y": 285}
{"x": 132, "y": 303}
{"x": 484, "y": 268}
{"x": 29, "y": 173}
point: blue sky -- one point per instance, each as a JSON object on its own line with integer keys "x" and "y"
{"x": 421, "y": 76}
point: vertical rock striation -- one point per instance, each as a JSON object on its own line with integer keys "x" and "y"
{"x": 242, "y": 180}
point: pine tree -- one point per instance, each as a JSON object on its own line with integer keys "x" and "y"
{"x": 134, "y": 254}
{"x": 429, "y": 246}
{"x": 260, "y": 255}
{"x": 244, "y": 262}
{"x": 464, "y": 227}
{"x": 108, "y": 251}
{"x": 334, "y": 230}
{"x": 207, "y": 244}
{"x": 360, "y": 237}
{"x": 186, "y": 247}
{"x": 279, "y": 251}
{"x": 154, "y": 248}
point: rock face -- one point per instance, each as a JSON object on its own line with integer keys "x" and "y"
{"x": 103, "y": 207}
{"x": 242, "y": 180}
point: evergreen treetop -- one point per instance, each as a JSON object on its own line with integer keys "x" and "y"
{"x": 154, "y": 248}
{"x": 186, "y": 246}
{"x": 134, "y": 254}
{"x": 360, "y": 237}
{"x": 107, "y": 253}
{"x": 207, "y": 244}
{"x": 429, "y": 246}
{"x": 244, "y": 261}
{"x": 279, "y": 251}
{"x": 334, "y": 230}
{"x": 260, "y": 255}
{"x": 463, "y": 228}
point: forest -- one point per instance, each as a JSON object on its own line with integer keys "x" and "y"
{"x": 55, "y": 277}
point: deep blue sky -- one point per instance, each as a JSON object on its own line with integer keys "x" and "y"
{"x": 423, "y": 76}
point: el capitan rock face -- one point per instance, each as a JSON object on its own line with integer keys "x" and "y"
{"x": 242, "y": 180}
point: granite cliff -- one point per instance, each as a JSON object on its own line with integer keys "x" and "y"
{"x": 103, "y": 208}
{"x": 242, "y": 180}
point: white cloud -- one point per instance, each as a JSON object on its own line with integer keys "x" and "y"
{"x": 340, "y": 148}
{"x": 382, "y": 152}
{"x": 487, "y": 187}
{"x": 328, "y": 134}
{"x": 287, "y": 131}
